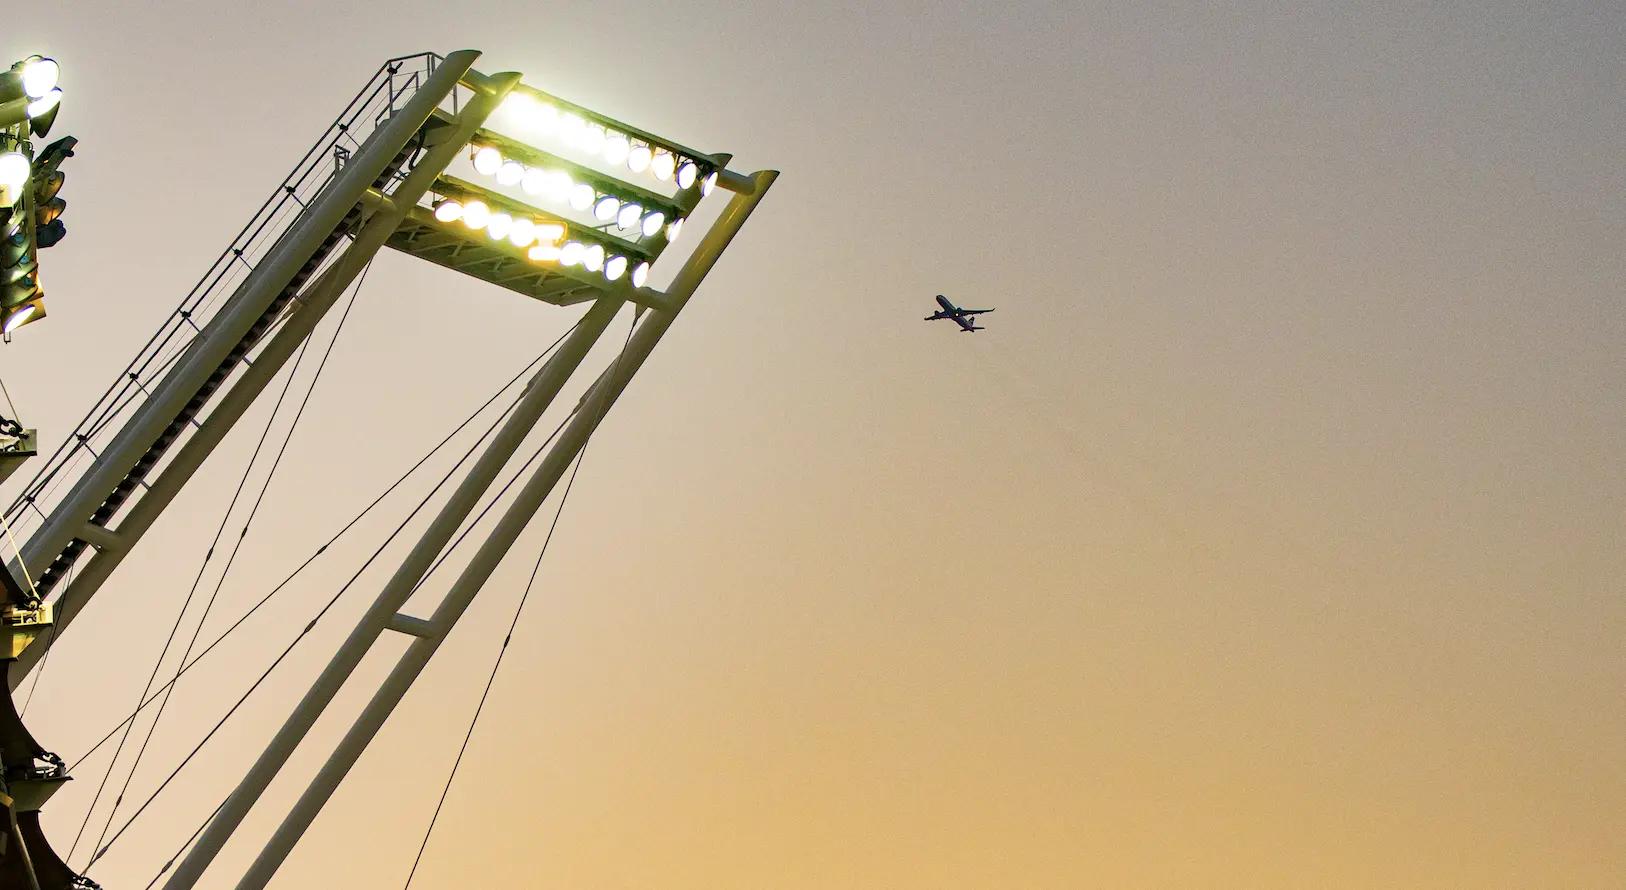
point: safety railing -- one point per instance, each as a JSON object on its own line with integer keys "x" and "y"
{"x": 395, "y": 81}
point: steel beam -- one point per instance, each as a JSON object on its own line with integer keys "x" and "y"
{"x": 113, "y": 545}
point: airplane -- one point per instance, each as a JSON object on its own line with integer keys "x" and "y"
{"x": 961, "y": 317}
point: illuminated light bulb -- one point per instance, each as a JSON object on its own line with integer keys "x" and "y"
{"x": 558, "y": 186}
{"x": 476, "y": 214}
{"x": 571, "y": 126}
{"x": 549, "y": 232}
{"x": 673, "y": 229}
{"x": 14, "y": 170}
{"x": 533, "y": 181}
{"x": 606, "y": 209}
{"x": 640, "y": 275}
{"x": 707, "y": 184}
{"x": 571, "y": 253}
{"x": 593, "y": 258}
{"x": 628, "y": 217}
{"x": 40, "y": 77}
{"x": 510, "y": 173}
{"x": 43, "y": 104}
{"x": 653, "y": 223}
{"x": 544, "y": 253}
{"x": 663, "y": 165}
{"x": 449, "y": 211}
{"x": 521, "y": 106}
{"x": 522, "y": 233}
{"x": 581, "y": 197}
{"x": 543, "y": 117}
{"x": 499, "y": 224}
{"x": 638, "y": 158}
{"x": 687, "y": 173}
{"x": 590, "y": 139}
{"x": 616, "y": 148}
{"x": 19, "y": 318}
{"x": 615, "y": 267}
{"x": 487, "y": 161}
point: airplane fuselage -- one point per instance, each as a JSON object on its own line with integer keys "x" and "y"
{"x": 961, "y": 317}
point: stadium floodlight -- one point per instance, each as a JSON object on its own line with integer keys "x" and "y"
{"x": 653, "y": 223}
{"x": 476, "y": 214}
{"x": 14, "y": 170}
{"x": 29, "y": 223}
{"x": 29, "y": 92}
{"x": 639, "y": 157}
{"x": 488, "y": 161}
{"x": 498, "y": 225}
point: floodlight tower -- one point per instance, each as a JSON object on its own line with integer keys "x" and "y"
{"x": 487, "y": 233}
{"x": 482, "y": 174}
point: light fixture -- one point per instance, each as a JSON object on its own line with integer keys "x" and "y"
{"x": 571, "y": 126}
{"x": 593, "y": 258}
{"x": 521, "y": 105}
{"x": 672, "y": 230}
{"x": 571, "y": 253}
{"x": 448, "y": 211}
{"x": 510, "y": 173}
{"x": 499, "y": 224}
{"x": 606, "y": 209}
{"x": 20, "y": 317}
{"x": 487, "y": 161}
{"x": 687, "y": 173}
{"x": 640, "y": 275}
{"x": 558, "y": 186}
{"x": 43, "y": 104}
{"x": 709, "y": 183}
{"x": 628, "y": 217}
{"x": 543, "y": 117}
{"x": 14, "y": 169}
{"x": 590, "y": 139}
{"x": 549, "y": 232}
{"x": 663, "y": 165}
{"x": 522, "y": 233}
{"x": 616, "y": 148}
{"x": 476, "y": 214}
{"x": 533, "y": 181}
{"x": 581, "y": 197}
{"x": 653, "y": 223}
{"x": 615, "y": 267}
{"x": 638, "y": 158}
{"x": 544, "y": 253}
{"x": 40, "y": 76}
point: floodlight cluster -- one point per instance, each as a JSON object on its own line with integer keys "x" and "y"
{"x": 544, "y": 241}
{"x": 618, "y": 149}
{"x": 557, "y": 187}
{"x": 39, "y": 80}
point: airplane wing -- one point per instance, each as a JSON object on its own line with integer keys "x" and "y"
{"x": 974, "y": 311}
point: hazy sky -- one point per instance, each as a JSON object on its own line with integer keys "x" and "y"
{"x": 1273, "y": 535}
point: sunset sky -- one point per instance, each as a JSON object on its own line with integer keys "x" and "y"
{"x": 1272, "y": 535}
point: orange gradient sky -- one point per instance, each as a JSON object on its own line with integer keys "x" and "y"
{"x": 1271, "y": 536}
